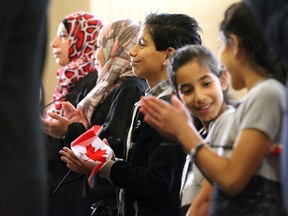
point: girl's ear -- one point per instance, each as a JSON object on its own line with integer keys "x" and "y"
{"x": 168, "y": 54}
{"x": 224, "y": 80}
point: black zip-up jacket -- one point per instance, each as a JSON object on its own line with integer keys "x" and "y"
{"x": 151, "y": 176}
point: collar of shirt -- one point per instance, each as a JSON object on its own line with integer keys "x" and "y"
{"x": 158, "y": 89}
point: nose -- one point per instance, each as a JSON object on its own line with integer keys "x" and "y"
{"x": 199, "y": 96}
{"x": 53, "y": 43}
{"x": 132, "y": 51}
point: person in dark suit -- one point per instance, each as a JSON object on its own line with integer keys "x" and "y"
{"x": 272, "y": 16}
{"x": 22, "y": 155}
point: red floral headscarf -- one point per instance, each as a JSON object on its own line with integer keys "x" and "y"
{"x": 83, "y": 29}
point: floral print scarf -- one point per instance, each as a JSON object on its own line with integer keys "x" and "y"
{"x": 116, "y": 39}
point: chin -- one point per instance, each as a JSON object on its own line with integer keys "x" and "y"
{"x": 61, "y": 64}
{"x": 137, "y": 73}
{"x": 58, "y": 62}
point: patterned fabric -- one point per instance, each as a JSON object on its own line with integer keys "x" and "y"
{"x": 158, "y": 89}
{"x": 116, "y": 39}
{"x": 83, "y": 29}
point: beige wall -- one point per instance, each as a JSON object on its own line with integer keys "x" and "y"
{"x": 208, "y": 13}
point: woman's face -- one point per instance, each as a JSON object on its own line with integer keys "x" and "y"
{"x": 146, "y": 61}
{"x": 201, "y": 91}
{"x": 60, "y": 45}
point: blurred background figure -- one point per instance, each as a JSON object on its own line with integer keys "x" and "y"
{"x": 22, "y": 158}
{"x": 272, "y": 16}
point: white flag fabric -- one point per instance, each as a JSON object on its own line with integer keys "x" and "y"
{"x": 91, "y": 150}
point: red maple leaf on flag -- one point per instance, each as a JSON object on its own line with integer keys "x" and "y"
{"x": 95, "y": 155}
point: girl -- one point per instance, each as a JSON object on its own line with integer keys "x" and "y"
{"x": 202, "y": 86}
{"x": 245, "y": 177}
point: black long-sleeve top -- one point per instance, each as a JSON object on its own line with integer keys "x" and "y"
{"x": 115, "y": 114}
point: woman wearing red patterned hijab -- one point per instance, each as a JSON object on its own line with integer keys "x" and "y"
{"x": 73, "y": 47}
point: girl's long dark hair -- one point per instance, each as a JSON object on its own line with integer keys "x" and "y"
{"x": 240, "y": 21}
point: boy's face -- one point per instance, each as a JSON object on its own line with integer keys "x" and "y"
{"x": 146, "y": 61}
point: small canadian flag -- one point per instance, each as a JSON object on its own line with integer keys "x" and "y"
{"x": 91, "y": 150}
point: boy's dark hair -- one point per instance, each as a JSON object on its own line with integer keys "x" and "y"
{"x": 172, "y": 30}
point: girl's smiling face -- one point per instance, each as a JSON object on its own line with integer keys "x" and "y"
{"x": 201, "y": 91}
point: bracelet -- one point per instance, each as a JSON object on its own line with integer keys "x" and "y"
{"x": 195, "y": 150}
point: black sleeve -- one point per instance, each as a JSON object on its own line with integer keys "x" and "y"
{"x": 74, "y": 130}
{"x": 155, "y": 165}
{"x": 158, "y": 179}
{"x": 82, "y": 88}
{"x": 119, "y": 117}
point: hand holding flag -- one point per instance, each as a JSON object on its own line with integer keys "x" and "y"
{"x": 91, "y": 150}
{"x": 88, "y": 155}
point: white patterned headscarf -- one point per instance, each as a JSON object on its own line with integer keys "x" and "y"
{"x": 116, "y": 39}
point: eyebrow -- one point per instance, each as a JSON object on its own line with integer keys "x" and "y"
{"x": 204, "y": 77}
{"x": 189, "y": 85}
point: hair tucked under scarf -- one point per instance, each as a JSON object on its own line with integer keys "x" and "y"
{"x": 83, "y": 29}
{"x": 116, "y": 39}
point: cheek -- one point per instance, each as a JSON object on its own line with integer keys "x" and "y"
{"x": 188, "y": 101}
{"x": 67, "y": 59}
{"x": 63, "y": 60}
{"x": 65, "y": 54}
{"x": 219, "y": 97}
{"x": 216, "y": 91}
